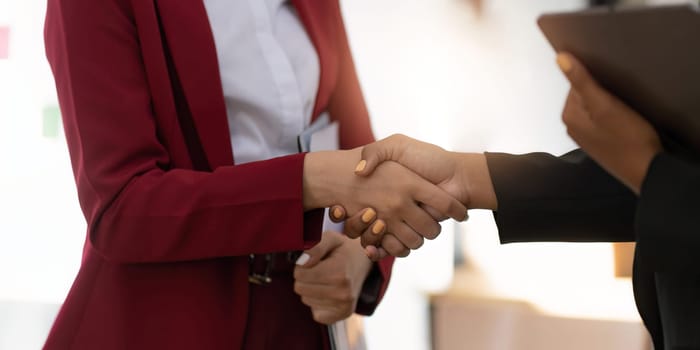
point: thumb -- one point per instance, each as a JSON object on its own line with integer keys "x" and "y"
{"x": 329, "y": 242}
{"x": 375, "y": 153}
{"x": 579, "y": 77}
{"x": 337, "y": 213}
{"x": 375, "y": 253}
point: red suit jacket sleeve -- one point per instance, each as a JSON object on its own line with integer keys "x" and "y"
{"x": 140, "y": 207}
{"x": 143, "y": 197}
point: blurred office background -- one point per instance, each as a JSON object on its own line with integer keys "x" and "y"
{"x": 469, "y": 75}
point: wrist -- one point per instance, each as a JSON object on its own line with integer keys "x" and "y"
{"x": 637, "y": 177}
{"x": 475, "y": 176}
{"x": 313, "y": 187}
{"x": 325, "y": 175}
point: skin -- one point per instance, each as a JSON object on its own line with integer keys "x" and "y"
{"x": 463, "y": 175}
{"x": 331, "y": 280}
{"x": 619, "y": 139}
{"x": 393, "y": 191}
{"x": 613, "y": 134}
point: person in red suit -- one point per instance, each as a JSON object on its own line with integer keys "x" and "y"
{"x": 181, "y": 117}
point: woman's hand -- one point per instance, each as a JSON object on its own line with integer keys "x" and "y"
{"x": 329, "y": 277}
{"x": 464, "y": 175}
{"x": 427, "y": 160}
{"x": 395, "y": 192}
{"x": 372, "y": 232}
{"x": 614, "y": 135}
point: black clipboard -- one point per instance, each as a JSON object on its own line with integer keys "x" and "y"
{"x": 649, "y": 57}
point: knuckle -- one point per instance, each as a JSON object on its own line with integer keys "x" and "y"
{"x": 397, "y": 137}
{"x": 336, "y": 280}
{"x": 602, "y": 107}
{"x": 346, "y": 282}
{"x": 566, "y": 119}
{"x": 318, "y": 316}
{"x": 345, "y": 296}
{"x": 346, "y": 311}
{"x": 395, "y": 202}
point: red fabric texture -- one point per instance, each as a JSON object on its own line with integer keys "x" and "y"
{"x": 171, "y": 220}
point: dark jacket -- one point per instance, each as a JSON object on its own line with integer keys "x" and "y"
{"x": 570, "y": 198}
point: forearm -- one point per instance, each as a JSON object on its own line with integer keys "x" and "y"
{"x": 186, "y": 215}
{"x": 472, "y": 171}
{"x": 568, "y": 198}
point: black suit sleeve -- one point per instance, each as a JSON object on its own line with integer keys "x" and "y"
{"x": 668, "y": 214}
{"x": 569, "y": 198}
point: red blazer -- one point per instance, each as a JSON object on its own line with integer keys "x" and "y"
{"x": 171, "y": 220}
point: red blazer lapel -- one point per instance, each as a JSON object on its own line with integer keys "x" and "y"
{"x": 321, "y": 26}
{"x": 189, "y": 39}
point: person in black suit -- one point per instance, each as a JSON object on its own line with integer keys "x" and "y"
{"x": 619, "y": 186}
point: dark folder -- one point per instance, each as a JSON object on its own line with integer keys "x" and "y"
{"x": 647, "y": 56}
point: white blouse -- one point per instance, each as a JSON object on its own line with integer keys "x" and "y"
{"x": 270, "y": 74}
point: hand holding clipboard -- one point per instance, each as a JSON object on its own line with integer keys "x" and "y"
{"x": 646, "y": 56}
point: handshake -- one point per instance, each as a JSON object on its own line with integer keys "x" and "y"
{"x": 400, "y": 190}
{"x": 402, "y": 187}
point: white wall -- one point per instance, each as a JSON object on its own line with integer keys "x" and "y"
{"x": 41, "y": 227}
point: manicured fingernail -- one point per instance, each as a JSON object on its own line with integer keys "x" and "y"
{"x": 564, "y": 63}
{"x": 303, "y": 259}
{"x": 337, "y": 213}
{"x": 361, "y": 166}
{"x": 368, "y": 215}
{"x": 378, "y": 227}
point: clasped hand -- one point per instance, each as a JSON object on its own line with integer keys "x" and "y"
{"x": 407, "y": 204}
{"x": 620, "y": 140}
{"x": 456, "y": 174}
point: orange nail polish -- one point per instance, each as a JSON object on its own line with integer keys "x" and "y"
{"x": 361, "y": 166}
{"x": 337, "y": 213}
{"x": 564, "y": 63}
{"x": 368, "y": 215}
{"x": 378, "y": 227}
